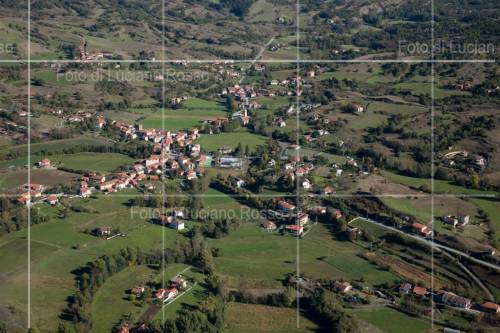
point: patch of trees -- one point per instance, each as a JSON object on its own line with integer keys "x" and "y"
{"x": 206, "y": 318}
{"x": 14, "y": 217}
{"x": 329, "y": 313}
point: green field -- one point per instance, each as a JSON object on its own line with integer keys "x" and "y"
{"x": 391, "y": 321}
{"x": 254, "y": 257}
{"x": 10, "y": 179}
{"x": 192, "y": 113}
{"x": 60, "y": 246}
{"x": 231, "y": 139}
{"x": 440, "y": 186}
{"x": 100, "y": 162}
{"x": 252, "y": 318}
{"x": 110, "y": 302}
{"x": 54, "y": 146}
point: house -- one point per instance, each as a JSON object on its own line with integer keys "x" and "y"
{"x": 303, "y": 218}
{"x": 285, "y": 207}
{"x": 490, "y": 307}
{"x": 52, "y": 199}
{"x": 179, "y": 282}
{"x": 178, "y": 225}
{"x": 463, "y": 219}
{"x": 450, "y": 219}
{"x": 104, "y": 231}
{"x": 342, "y": 287}
{"x": 44, "y": 164}
{"x": 85, "y": 191}
{"x": 166, "y": 294}
{"x": 100, "y": 123}
{"x": 327, "y": 190}
{"x": 229, "y": 162}
{"x": 453, "y": 300}
{"x": 405, "y": 288}
{"x": 421, "y": 229}
{"x": 306, "y": 184}
{"x": 319, "y": 210}
{"x": 358, "y": 108}
{"x": 420, "y": 291}
{"x": 238, "y": 182}
{"x": 137, "y": 290}
{"x": 123, "y": 329}
{"x": 108, "y": 186}
{"x": 352, "y": 232}
{"x": 337, "y": 213}
{"x": 294, "y": 229}
{"x": 268, "y": 225}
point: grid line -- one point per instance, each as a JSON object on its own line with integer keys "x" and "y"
{"x": 298, "y": 195}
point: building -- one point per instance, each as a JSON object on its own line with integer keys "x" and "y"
{"x": 421, "y": 229}
{"x": 45, "y": 163}
{"x": 285, "y": 207}
{"x": 420, "y": 291}
{"x": 327, "y": 190}
{"x": 52, "y": 199}
{"x": 268, "y": 225}
{"x": 405, "y": 288}
{"x": 178, "y": 225}
{"x": 453, "y": 300}
{"x": 342, "y": 287}
{"x": 166, "y": 294}
{"x": 137, "y": 290}
{"x": 179, "y": 282}
{"x": 104, "y": 231}
{"x": 303, "y": 218}
{"x": 490, "y": 307}
{"x": 294, "y": 229}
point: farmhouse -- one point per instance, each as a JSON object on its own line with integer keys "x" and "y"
{"x": 421, "y": 229}
{"x": 420, "y": 291}
{"x": 342, "y": 287}
{"x": 44, "y": 164}
{"x": 294, "y": 229}
{"x": 453, "y": 220}
{"x": 137, "y": 290}
{"x": 52, "y": 199}
{"x": 358, "y": 108}
{"x": 178, "y": 225}
{"x": 285, "y": 207}
{"x": 268, "y": 225}
{"x": 104, "y": 231}
{"x": 166, "y": 294}
{"x": 451, "y": 299}
{"x": 490, "y": 307}
{"x": 303, "y": 218}
{"x": 327, "y": 190}
{"x": 405, "y": 288}
{"x": 179, "y": 282}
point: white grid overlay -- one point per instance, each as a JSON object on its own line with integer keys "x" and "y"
{"x": 298, "y": 62}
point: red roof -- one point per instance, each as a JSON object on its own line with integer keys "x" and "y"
{"x": 420, "y": 290}
{"x": 294, "y": 227}
{"x": 491, "y": 306}
{"x": 52, "y": 197}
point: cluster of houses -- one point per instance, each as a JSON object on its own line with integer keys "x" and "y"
{"x": 299, "y": 219}
{"x": 462, "y": 157}
{"x": 168, "y": 294}
{"x": 173, "y": 220}
{"x": 448, "y": 298}
{"x": 34, "y": 193}
{"x": 456, "y": 221}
